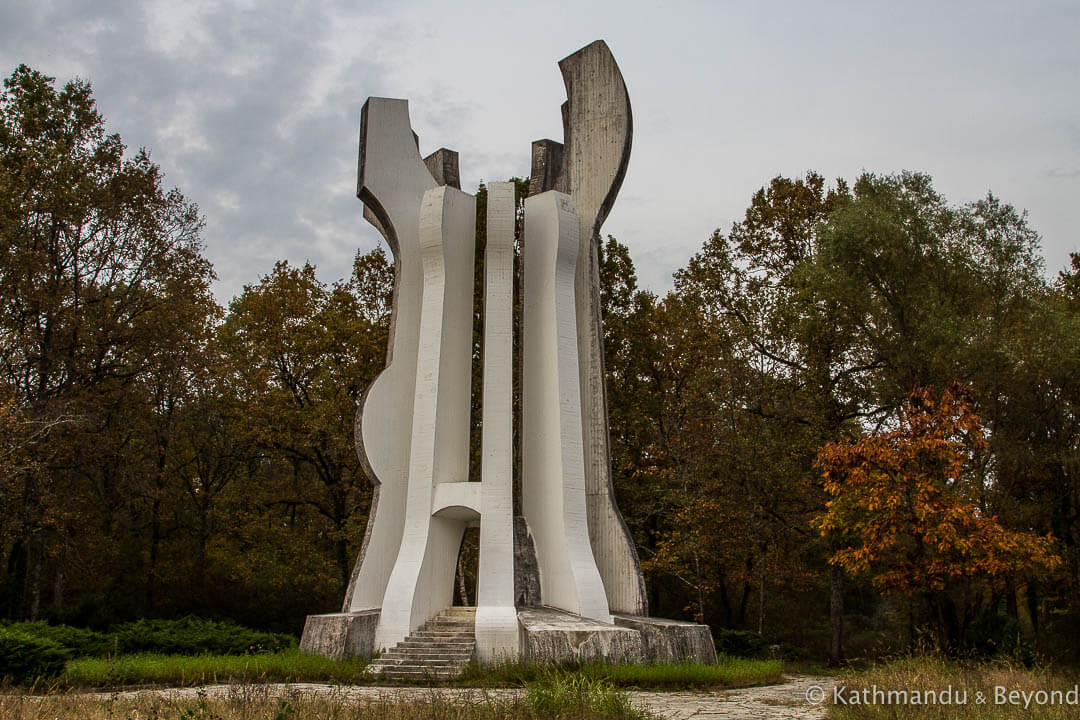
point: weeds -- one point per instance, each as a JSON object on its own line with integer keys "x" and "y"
{"x": 187, "y": 670}
{"x": 965, "y": 683}
{"x": 727, "y": 672}
{"x": 564, "y": 699}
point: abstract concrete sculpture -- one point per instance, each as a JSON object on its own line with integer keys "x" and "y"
{"x": 413, "y": 427}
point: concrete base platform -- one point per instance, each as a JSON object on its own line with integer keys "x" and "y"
{"x": 341, "y": 635}
{"x": 550, "y": 636}
{"x": 667, "y": 641}
{"x": 547, "y": 636}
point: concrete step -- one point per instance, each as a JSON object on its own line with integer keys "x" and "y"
{"x": 417, "y": 675}
{"x": 395, "y": 667}
{"x": 414, "y": 662}
{"x": 450, "y": 629}
{"x": 462, "y": 652}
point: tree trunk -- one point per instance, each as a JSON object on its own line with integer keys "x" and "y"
{"x": 37, "y": 549}
{"x": 17, "y": 562}
{"x": 61, "y": 567}
{"x": 155, "y": 543}
{"x": 463, "y": 592}
{"x": 761, "y": 598}
{"x": 836, "y": 614}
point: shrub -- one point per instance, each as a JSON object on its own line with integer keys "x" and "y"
{"x": 994, "y": 635}
{"x": 194, "y": 636}
{"x": 24, "y": 657}
{"x": 79, "y": 642}
{"x": 740, "y": 643}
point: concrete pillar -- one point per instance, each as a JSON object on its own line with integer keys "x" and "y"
{"x": 553, "y": 462}
{"x": 421, "y": 582}
{"x": 497, "y": 633}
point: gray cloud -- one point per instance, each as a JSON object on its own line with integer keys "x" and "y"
{"x": 252, "y": 108}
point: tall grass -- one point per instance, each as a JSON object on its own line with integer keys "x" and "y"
{"x": 185, "y": 670}
{"x": 295, "y": 666}
{"x": 965, "y": 680}
{"x": 727, "y": 672}
{"x": 578, "y": 699}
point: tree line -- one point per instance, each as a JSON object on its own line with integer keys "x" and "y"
{"x": 163, "y": 455}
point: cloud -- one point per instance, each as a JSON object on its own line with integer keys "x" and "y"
{"x": 252, "y": 108}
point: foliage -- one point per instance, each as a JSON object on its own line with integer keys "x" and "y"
{"x": 739, "y": 643}
{"x": 906, "y": 504}
{"x": 195, "y": 636}
{"x": 186, "y": 636}
{"x": 25, "y": 658}
{"x": 78, "y": 642}
{"x": 106, "y": 302}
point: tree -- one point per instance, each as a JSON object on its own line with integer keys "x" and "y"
{"x": 299, "y": 355}
{"x": 101, "y": 273}
{"x": 907, "y": 503}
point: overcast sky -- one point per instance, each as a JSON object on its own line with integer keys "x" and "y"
{"x": 252, "y": 108}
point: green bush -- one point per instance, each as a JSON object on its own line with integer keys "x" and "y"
{"x": 994, "y": 635}
{"x": 187, "y": 636}
{"x": 79, "y": 642}
{"x": 740, "y": 643}
{"x": 24, "y": 657}
{"x": 195, "y": 636}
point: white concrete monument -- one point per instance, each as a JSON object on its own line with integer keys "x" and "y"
{"x": 412, "y": 431}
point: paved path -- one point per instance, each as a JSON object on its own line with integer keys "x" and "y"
{"x": 770, "y": 702}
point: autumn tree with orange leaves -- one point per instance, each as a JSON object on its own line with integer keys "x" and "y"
{"x": 906, "y": 509}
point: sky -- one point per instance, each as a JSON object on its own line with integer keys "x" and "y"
{"x": 253, "y": 108}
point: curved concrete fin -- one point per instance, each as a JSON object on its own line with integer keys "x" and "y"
{"x": 598, "y": 127}
{"x": 553, "y": 484}
{"x": 391, "y": 181}
{"x": 597, "y": 133}
{"x": 421, "y": 581}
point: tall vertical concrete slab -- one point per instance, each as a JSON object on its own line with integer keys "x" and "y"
{"x": 392, "y": 180}
{"x": 597, "y": 129}
{"x": 497, "y": 631}
{"x": 553, "y": 464}
{"x": 421, "y": 582}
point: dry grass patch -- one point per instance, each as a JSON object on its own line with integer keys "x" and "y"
{"x": 545, "y": 701}
{"x": 942, "y": 690}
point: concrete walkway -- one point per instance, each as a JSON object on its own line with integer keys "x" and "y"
{"x": 769, "y": 702}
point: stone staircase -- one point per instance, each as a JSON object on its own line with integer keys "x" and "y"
{"x": 440, "y": 649}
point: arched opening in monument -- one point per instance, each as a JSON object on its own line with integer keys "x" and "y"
{"x": 468, "y": 567}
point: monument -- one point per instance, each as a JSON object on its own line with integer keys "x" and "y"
{"x": 567, "y": 539}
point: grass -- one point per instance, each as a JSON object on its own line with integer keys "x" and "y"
{"x": 966, "y": 680}
{"x": 186, "y": 670}
{"x": 147, "y": 669}
{"x": 726, "y": 673}
{"x": 566, "y": 699}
